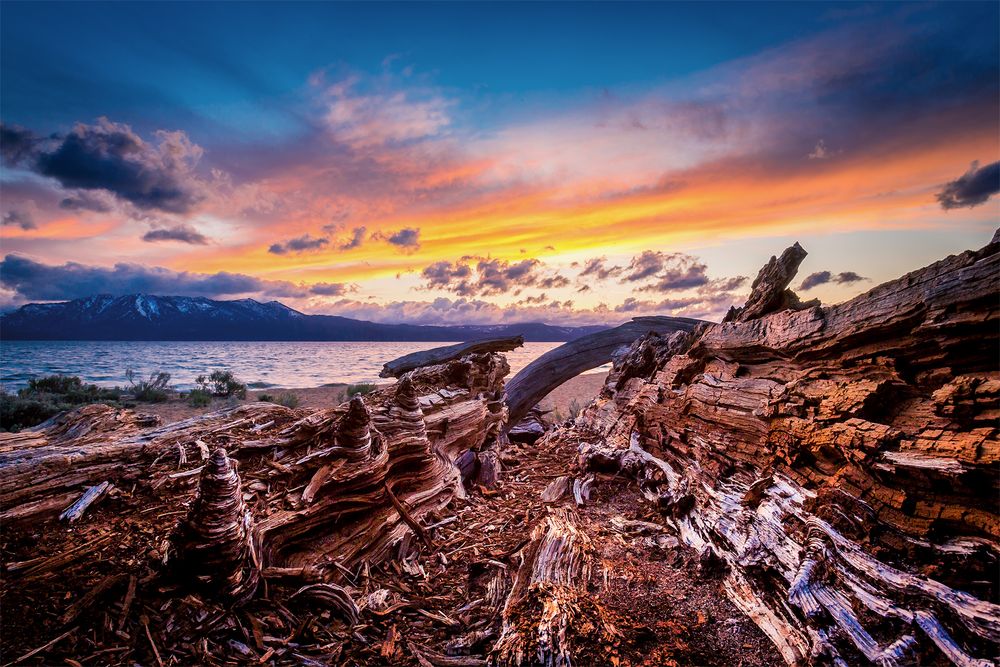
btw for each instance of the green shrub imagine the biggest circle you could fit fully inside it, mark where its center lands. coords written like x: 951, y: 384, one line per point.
x: 199, y: 398
x: 287, y: 399
x: 153, y: 390
x: 222, y: 383
x: 361, y: 389
x: 48, y: 396
x: 17, y: 413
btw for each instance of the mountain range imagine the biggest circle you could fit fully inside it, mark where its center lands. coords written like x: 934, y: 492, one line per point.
x: 148, y: 317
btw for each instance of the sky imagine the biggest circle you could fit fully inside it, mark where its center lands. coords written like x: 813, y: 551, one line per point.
x: 447, y: 163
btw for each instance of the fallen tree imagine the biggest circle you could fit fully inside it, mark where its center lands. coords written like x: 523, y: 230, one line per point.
x: 838, y: 466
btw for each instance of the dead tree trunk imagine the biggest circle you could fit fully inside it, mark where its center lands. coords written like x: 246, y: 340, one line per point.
x: 839, y: 463
x: 550, y: 370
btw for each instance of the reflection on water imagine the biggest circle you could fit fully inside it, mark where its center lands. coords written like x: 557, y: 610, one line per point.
x: 270, y: 364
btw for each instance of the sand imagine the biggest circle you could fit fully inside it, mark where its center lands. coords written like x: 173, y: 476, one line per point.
x: 563, y: 401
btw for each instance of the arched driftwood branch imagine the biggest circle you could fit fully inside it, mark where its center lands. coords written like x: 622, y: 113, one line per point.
x: 442, y: 355
x: 567, y: 361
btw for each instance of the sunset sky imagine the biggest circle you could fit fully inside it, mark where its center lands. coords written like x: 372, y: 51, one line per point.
x: 475, y: 163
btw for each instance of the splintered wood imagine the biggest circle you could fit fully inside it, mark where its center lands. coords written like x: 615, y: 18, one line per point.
x: 839, y: 465
x: 799, y: 484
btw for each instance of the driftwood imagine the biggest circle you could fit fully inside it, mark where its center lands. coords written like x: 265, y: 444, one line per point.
x: 441, y: 355
x: 287, y: 494
x: 555, y: 367
x: 833, y: 471
x: 838, y: 466
x: 550, y: 618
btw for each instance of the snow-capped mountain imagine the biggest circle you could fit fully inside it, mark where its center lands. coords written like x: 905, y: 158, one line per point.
x: 149, y: 317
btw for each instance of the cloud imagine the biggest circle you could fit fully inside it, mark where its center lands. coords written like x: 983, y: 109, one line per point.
x: 824, y: 277
x: 98, y: 201
x: 598, y: 268
x: 298, y: 245
x: 406, y: 239
x: 20, y: 219
x: 43, y: 282
x: 17, y: 145
x: 182, y: 233
x: 485, y: 276
x: 356, y: 240
x: 445, y: 275
x: 669, y: 271
x: 110, y: 156
x: 331, y: 289
x: 972, y: 188
x: 820, y: 152
x: 366, y: 112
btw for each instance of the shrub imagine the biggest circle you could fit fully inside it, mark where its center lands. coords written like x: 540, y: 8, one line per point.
x: 17, y: 413
x: 574, y: 409
x: 361, y: 389
x: 153, y: 390
x: 287, y: 399
x: 48, y: 396
x: 222, y: 383
x: 199, y: 398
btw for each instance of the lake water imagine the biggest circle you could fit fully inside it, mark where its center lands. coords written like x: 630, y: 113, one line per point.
x: 272, y: 364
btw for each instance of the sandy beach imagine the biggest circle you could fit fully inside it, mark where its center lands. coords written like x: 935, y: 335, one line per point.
x: 571, y: 396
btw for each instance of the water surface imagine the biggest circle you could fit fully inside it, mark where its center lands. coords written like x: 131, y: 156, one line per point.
x: 269, y: 364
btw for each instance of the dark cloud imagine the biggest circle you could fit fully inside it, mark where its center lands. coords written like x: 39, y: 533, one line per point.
x: 356, y: 240
x: 110, y: 156
x: 645, y: 265
x: 406, y: 238
x: 669, y: 271
x: 98, y: 201
x: 17, y: 145
x: 484, y: 276
x: 598, y: 268
x: 297, y: 245
x: 331, y: 289
x: 972, y: 188
x: 824, y: 277
x: 182, y: 233
x: 42, y: 282
x: 445, y: 275
x: 552, y: 282
x: 20, y: 219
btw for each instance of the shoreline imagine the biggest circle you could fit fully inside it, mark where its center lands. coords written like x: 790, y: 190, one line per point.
x: 571, y: 396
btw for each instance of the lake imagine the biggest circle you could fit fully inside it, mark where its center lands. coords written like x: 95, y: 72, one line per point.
x: 269, y: 364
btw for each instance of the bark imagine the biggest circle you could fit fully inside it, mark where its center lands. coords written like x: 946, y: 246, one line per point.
x: 550, y: 370
x: 441, y: 355
x: 286, y: 495
x: 838, y: 466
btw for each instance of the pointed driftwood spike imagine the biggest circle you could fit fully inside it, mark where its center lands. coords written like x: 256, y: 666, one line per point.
x: 354, y: 431
x: 214, y: 542
x: 406, y: 394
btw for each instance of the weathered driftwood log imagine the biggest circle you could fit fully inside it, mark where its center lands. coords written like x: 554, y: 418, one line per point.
x: 840, y: 464
x: 322, y: 494
x: 214, y: 544
x: 550, y: 618
x: 444, y: 354
x: 550, y: 370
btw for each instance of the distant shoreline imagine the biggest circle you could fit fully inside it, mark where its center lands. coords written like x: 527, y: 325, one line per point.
x: 573, y: 394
